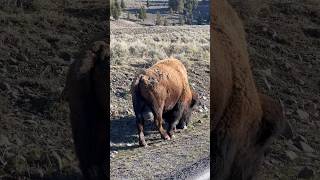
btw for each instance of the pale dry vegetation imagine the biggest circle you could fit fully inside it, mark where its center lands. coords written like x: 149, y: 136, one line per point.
x: 183, y: 45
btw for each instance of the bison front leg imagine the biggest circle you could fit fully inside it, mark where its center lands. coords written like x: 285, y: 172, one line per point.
x: 176, y: 115
x: 159, y: 121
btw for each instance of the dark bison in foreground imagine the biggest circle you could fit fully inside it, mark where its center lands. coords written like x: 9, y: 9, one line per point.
x: 163, y: 91
x: 244, y: 121
x: 86, y: 92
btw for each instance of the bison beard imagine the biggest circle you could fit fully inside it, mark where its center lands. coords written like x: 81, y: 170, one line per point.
x: 244, y: 121
x: 163, y: 91
x: 86, y: 93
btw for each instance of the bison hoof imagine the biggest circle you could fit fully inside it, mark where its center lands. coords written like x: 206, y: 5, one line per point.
x: 166, y: 137
x: 143, y: 144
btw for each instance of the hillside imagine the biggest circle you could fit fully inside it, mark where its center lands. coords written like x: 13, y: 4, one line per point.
x: 284, y: 47
x: 37, y: 43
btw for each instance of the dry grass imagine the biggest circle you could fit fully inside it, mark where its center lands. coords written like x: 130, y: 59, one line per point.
x: 183, y: 46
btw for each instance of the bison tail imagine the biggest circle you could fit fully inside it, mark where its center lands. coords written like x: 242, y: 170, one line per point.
x: 141, y: 108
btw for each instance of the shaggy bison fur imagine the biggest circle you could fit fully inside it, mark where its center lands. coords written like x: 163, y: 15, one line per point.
x: 163, y: 91
x: 86, y: 93
x: 244, y: 121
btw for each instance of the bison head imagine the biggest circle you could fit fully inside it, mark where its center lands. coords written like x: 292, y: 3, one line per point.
x: 186, y: 117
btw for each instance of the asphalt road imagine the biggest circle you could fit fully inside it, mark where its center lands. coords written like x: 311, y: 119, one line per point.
x: 197, y: 171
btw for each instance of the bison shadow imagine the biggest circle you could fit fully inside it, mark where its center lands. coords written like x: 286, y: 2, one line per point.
x: 124, y: 136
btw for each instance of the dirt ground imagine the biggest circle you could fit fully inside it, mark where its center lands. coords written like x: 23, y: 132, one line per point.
x: 284, y: 47
x: 37, y: 43
x: 136, y: 48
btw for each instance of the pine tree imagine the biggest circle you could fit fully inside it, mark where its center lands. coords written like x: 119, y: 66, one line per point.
x: 190, y: 5
x: 171, y: 11
x: 148, y: 4
x: 142, y: 13
x: 180, y: 6
x: 123, y: 5
x: 116, y: 10
x: 173, y: 4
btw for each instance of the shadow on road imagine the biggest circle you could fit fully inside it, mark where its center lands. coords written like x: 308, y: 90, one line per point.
x: 123, y: 131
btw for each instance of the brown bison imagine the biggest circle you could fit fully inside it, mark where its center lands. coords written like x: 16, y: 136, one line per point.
x: 244, y: 121
x: 86, y: 93
x: 163, y: 91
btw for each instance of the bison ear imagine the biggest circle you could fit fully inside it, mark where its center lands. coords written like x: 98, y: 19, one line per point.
x: 195, y: 99
x: 272, y: 122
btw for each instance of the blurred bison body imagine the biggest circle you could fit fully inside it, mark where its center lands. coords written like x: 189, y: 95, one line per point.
x: 244, y: 121
x: 86, y: 93
x: 163, y: 91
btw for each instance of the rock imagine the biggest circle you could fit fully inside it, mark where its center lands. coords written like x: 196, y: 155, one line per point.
x: 267, y: 83
x: 302, y: 114
x: 291, y: 155
x: 306, y: 173
x: 65, y: 56
x: 4, y: 86
x: 58, y: 160
x: 292, y: 147
x: 301, y: 82
x: 311, y: 155
x: 130, y: 144
x: 37, y: 172
x: 12, y: 61
x: 3, y: 70
x: 300, y: 138
x: 4, y: 141
x: 22, y: 57
x: 288, y: 66
x: 268, y: 72
x: 291, y: 101
x: 288, y: 131
x: 304, y: 147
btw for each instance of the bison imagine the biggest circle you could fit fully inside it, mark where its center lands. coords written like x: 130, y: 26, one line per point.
x: 86, y: 93
x: 244, y: 121
x: 163, y: 91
